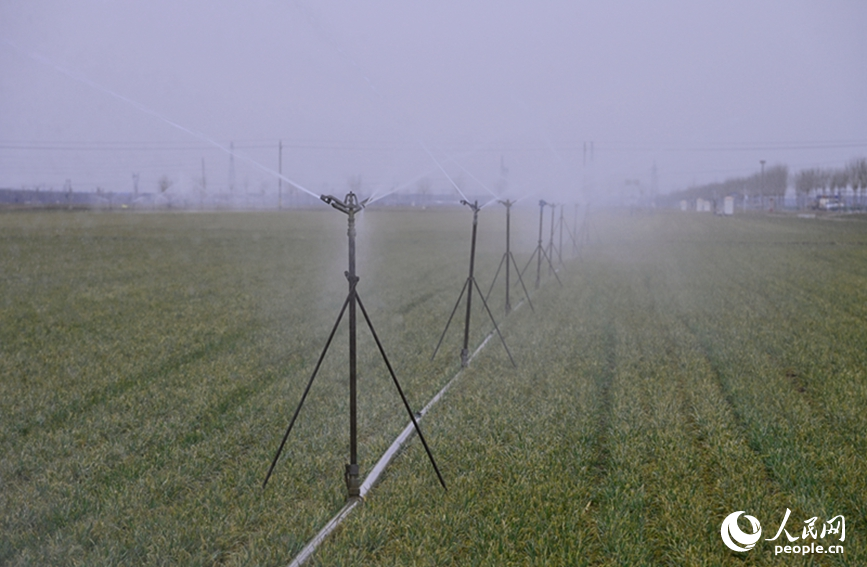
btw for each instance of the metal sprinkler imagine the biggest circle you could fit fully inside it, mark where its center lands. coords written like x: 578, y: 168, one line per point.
x: 509, y: 258
x: 539, y: 252
x: 350, y: 206
x: 468, y: 287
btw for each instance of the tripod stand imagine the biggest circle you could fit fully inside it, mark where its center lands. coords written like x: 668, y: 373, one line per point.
x: 551, y: 240
x: 561, y: 223
x: 468, y: 287
x: 351, y: 206
x: 539, y: 252
x: 508, y: 258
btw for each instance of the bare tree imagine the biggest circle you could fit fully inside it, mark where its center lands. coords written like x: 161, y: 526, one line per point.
x: 857, y: 174
x: 839, y: 180
x: 423, y: 186
x: 806, y: 180
x: 776, y: 180
x: 164, y: 183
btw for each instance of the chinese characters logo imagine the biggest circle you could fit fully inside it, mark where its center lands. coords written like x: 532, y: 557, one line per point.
x: 737, y: 539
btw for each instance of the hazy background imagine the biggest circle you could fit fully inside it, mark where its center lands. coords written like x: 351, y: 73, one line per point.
x: 88, y: 90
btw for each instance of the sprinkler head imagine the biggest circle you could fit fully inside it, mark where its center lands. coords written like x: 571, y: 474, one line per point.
x: 474, y: 206
x: 349, y: 206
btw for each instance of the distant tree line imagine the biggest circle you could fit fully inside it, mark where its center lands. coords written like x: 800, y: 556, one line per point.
x: 849, y: 180
x: 833, y: 181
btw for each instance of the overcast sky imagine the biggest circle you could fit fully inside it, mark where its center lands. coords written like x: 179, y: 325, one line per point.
x: 96, y: 90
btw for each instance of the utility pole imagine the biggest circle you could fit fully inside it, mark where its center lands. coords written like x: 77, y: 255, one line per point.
x: 204, y: 186
x: 575, y: 229
x: 67, y: 187
x: 280, y: 176
x: 560, y: 249
x: 135, y: 184
x: 762, y: 188
x: 231, y: 167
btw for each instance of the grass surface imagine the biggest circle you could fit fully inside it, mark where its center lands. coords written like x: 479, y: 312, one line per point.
x: 690, y: 366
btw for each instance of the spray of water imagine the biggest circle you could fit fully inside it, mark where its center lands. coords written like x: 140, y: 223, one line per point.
x: 477, y: 180
x: 402, y: 119
x: 488, y: 203
x: 375, y: 197
x: 141, y: 107
x: 329, y: 40
x: 452, y: 181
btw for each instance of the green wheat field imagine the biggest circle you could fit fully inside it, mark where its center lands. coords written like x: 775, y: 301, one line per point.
x: 690, y: 366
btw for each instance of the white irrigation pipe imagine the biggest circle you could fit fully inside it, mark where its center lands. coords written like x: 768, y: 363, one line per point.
x: 380, y: 465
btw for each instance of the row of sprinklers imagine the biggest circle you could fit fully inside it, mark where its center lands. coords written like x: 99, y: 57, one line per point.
x: 544, y: 257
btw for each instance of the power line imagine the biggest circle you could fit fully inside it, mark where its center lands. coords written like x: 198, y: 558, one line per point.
x: 386, y: 146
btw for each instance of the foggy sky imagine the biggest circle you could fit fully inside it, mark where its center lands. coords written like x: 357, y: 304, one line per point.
x: 94, y: 91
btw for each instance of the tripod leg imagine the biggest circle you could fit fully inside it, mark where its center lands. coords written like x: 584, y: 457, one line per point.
x: 306, y: 391
x: 449, y: 321
x: 572, y: 236
x: 485, y: 303
x: 553, y: 271
x: 520, y: 279
x: 496, y: 275
x: 527, y: 265
x: 400, y: 391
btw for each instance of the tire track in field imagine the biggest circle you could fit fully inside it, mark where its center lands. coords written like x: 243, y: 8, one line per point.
x: 618, y: 494
x: 700, y: 442
x: 80, y: 506
x: 101, y: 396
x: 810, y: 452
x: 733, y: 472
x: 705, y: 348
x: 770, y: 414
x: 752, y: 482
x: 675, y: 465
x: 779, y: 354
x: 604, y: 380
x: 599, y: 465
x: 203, y: 427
